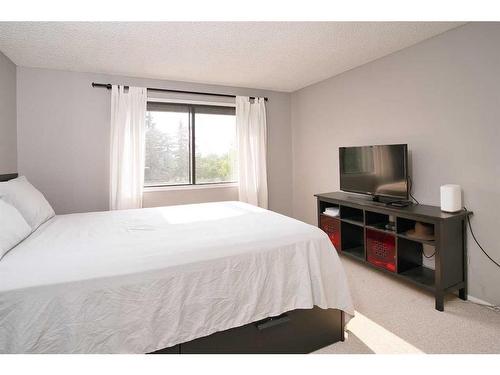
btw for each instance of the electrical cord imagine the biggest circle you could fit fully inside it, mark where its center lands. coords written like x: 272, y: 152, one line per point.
x: 495, y: 308
x: 477, y: 242
x: 430, y: 256
x: 410, y: 183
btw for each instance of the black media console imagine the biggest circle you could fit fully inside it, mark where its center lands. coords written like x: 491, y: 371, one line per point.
x: 362, y: 231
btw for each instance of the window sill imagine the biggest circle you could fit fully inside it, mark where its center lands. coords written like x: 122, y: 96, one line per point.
x: 226, y: 185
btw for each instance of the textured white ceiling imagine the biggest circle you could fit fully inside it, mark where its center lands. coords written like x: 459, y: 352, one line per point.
x: 283, y: 56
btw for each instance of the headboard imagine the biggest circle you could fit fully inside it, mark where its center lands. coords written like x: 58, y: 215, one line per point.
x: 7, y: 177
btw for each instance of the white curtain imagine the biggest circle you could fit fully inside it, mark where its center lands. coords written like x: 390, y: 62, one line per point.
x: 252, y: 150
x: 128, y: 113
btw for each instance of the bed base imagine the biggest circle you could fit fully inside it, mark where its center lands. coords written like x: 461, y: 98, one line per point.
x: 295, y: 332
x: 7, y: 177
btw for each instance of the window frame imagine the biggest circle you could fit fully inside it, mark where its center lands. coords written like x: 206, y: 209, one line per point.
x: 191, y: 105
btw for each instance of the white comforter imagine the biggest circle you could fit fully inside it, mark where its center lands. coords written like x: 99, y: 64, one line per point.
x: 135, y: 281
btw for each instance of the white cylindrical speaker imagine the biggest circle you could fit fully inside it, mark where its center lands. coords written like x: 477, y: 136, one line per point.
x: 451, y: 198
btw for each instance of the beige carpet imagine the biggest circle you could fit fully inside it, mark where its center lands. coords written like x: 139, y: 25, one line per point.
x: 396, y: 317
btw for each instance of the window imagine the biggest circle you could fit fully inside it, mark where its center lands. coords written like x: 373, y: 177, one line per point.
x: 190, y: 144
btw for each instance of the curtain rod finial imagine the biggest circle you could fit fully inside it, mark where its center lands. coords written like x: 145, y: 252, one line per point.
x: 105, y: 85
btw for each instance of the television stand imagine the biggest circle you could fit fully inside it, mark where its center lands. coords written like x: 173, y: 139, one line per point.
x: 362, y: 231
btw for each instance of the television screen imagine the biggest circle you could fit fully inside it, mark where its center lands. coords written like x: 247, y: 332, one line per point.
x: 375, y: 170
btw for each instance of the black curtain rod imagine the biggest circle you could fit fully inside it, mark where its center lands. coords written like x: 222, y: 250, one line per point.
x: 108, y: 86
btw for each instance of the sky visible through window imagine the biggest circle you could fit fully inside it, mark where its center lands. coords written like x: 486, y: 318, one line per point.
x: 215, y: 134
x: 216, y: 131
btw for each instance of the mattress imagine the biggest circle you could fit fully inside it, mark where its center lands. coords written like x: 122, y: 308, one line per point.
x: 135, y: 281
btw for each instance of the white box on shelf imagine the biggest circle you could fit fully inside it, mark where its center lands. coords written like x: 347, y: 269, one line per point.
x: 331, y: 211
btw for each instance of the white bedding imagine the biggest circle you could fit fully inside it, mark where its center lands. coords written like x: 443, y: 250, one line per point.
x: 136, y: 281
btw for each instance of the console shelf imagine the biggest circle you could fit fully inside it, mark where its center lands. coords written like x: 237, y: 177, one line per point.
x: 353, y: 222
x: 421, y: 276
x: 416, y: 239
x: 378, y: 229
x: 355, y: 252
x: 380, y: 236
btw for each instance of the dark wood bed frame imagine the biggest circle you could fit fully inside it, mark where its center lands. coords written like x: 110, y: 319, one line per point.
x: 295, y: 332
x: 7, y: 177
x: 298, y: 331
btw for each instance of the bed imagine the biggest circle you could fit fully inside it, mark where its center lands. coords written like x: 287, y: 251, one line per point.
x: 222, y: 277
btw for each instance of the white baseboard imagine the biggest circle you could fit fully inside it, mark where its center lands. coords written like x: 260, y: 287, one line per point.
x: 477, y: 300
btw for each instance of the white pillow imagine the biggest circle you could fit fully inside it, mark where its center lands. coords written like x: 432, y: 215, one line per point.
x: 13, y: 227
x: 28, y: 200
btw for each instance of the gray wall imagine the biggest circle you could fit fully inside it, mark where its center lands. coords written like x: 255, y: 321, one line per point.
x: 8, y: 142
x: 442, y: 97
x: 63, y: 139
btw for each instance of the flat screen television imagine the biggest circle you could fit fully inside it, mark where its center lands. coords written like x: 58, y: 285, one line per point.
x: 380, y: 171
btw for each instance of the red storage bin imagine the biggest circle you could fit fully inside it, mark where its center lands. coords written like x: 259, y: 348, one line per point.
x: 381, y: 249
x: 331, y: 226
